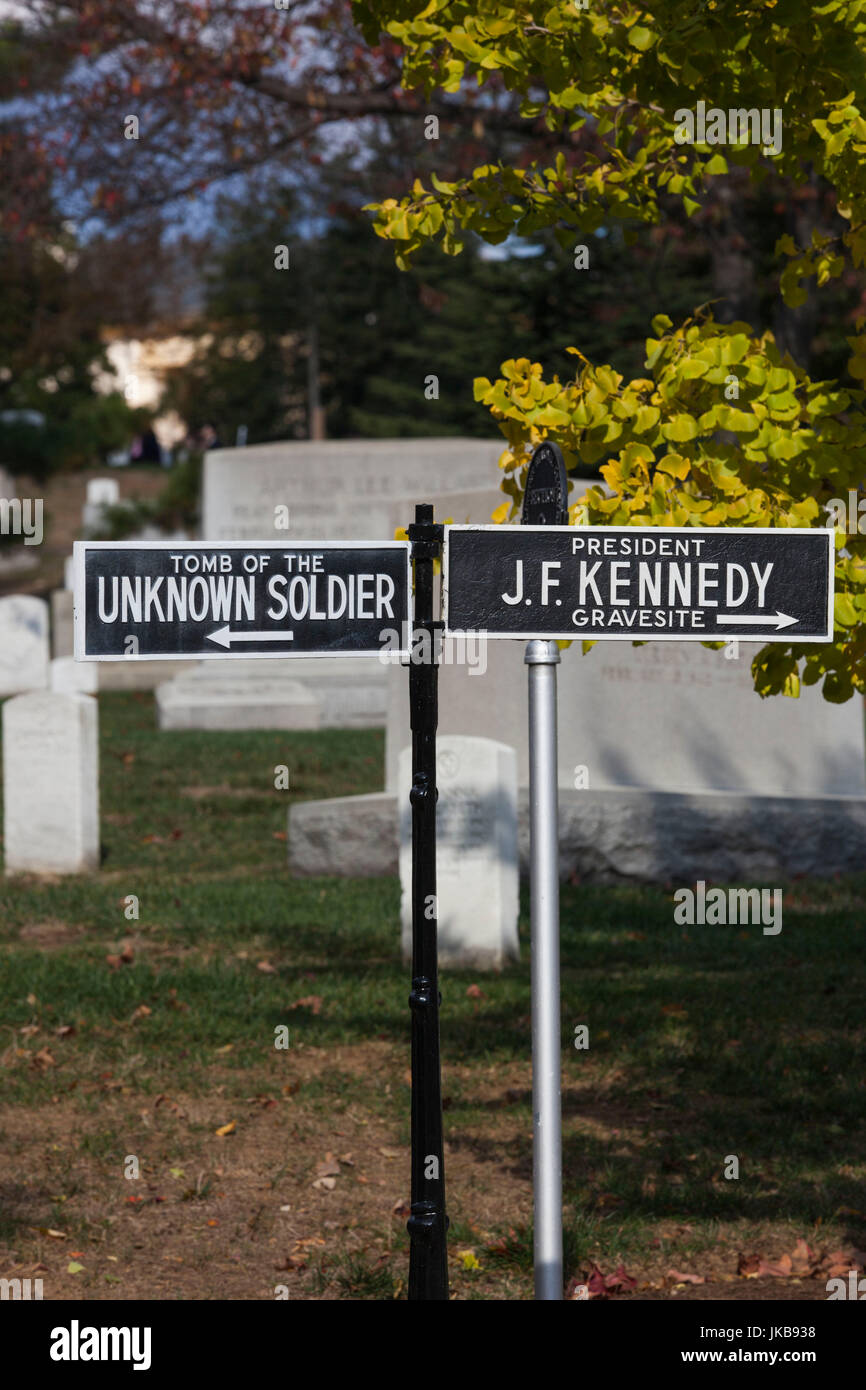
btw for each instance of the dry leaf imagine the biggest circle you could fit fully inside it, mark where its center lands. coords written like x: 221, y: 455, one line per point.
x: 226, y: 1129
x: 329, y: 1169
x: 142, y: 1011
x: 401, y: 1208
x: 680, y: 1278
x: 473, y: 992
x: 43, y: 1058
x: 749, y: 1266
x: 67, y: 1031
x: 390, y: 1153
x: 313, y: 1002
x: 266, y: 967
x: 325, y: 1184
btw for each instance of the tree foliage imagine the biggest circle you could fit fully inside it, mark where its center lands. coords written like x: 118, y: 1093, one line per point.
x: 724, y: 429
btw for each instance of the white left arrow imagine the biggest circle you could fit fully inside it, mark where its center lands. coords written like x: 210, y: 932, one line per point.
x: 224, y: 636
x: 778, y: 619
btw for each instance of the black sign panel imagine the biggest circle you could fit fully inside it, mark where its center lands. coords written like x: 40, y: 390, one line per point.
x: 145, y: 601
x: 545, y: 499
x: 650, y: 583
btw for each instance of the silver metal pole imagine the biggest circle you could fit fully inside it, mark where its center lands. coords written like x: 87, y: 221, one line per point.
x: 542, y: 659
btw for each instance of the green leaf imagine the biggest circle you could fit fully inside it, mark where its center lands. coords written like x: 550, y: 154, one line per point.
x: 680, y: 429
x: 641, y: 38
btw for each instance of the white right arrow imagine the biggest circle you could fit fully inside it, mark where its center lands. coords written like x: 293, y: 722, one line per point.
x: 779, y: 620
x: 224, y: 636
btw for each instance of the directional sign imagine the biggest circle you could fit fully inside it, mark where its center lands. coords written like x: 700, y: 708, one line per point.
x: 659, y: 583
x: 160, y: 599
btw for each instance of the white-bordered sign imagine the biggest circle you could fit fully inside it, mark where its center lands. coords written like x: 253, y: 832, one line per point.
x: 650, y: 583
x: 161, y: 600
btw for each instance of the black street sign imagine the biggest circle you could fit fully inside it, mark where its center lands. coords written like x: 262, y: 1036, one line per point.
x: 650, y: 583
x: 163, y: 599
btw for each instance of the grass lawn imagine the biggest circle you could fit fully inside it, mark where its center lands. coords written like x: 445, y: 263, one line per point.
x: 148, y: 1045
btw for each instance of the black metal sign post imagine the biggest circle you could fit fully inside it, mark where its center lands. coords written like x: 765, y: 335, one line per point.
x: 428, y: 1223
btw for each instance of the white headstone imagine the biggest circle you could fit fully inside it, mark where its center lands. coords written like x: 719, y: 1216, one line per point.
x: 103, y: 492
x: 668, y: 716
x: 476, y: 852
x: 62, y: 626
x: 23, y: 644
x: 231, y: 699
x: 348, y: 693
x: 67, y: 676
x: 51, y: 784
x: 336, y: 489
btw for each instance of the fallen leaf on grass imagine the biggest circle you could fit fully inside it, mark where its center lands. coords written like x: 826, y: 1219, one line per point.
x: 474, y: 992
x: 74, y: 1267
x: 330, y: 1168
x: 141, y: 1012
x: 43, y: 1059
x: 313, y: 1002
x: 28, y: 1030
x: 280, y: 835
x: 266, y: 967
x: 602, y: 1285
x: 401, y: 1208
x: 681, y: 1278
x: 226, y: 1129
x: 325, y: 1184
x: 172, y: 1105
x: 67, y: 1031
x: 293, y: 1262
x: 675, y: 1010
x: 390, y: 1153
x: 748, y: 1266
